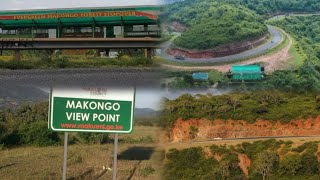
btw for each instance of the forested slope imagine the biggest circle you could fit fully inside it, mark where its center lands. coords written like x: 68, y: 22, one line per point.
x: 260, y: 105
x: 211, y: 24
x: 271, y: 7
x: 305, y: 30
x: 268, y: 159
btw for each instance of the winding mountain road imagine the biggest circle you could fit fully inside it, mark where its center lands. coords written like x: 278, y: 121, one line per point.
x: 276, y: 36
x: 277, y: 60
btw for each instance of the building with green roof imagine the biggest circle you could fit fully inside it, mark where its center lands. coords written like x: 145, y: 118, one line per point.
x: 200, y: 76
x: 98, y: 22
x: 247, y: 73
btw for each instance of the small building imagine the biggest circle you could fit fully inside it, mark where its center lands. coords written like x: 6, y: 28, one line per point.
x: 247, y: 73
x: 200, y: 76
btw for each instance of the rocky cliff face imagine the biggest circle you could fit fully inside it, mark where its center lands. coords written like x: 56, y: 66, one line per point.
x: 202, y: 129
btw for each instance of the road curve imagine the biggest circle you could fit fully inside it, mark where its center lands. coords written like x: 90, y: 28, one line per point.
x: 275, y: 41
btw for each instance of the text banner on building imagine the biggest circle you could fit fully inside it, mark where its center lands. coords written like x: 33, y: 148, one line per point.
x: 109, y: 110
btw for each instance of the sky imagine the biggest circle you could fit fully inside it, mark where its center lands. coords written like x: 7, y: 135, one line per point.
x: 145, y: 98
x: 48, y: 4
x: 149, y: 98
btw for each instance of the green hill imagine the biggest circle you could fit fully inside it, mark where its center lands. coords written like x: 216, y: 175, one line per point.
x: 265, y: 105
x: 270, y: 7
x: 211, y: 24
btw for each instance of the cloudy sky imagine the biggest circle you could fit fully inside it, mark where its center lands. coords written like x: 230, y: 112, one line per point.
x: 43, y: 4
x: 149, y: 98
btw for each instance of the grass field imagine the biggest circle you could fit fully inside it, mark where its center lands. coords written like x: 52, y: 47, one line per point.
x: 141, y: 160
x: 296, y: 52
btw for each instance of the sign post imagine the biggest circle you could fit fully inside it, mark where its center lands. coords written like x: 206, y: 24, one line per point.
x: 101, y: 110
x: 65, y: 156
x: 115, y: 157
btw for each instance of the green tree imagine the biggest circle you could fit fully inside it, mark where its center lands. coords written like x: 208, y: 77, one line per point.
x: 265, y: 163
x: 235, y: 101
x: 290, y: 164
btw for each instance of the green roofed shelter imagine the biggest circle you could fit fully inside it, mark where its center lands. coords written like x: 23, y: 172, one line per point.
x: 200, y: 76
x: 136, y: 21
x: 246, y: 73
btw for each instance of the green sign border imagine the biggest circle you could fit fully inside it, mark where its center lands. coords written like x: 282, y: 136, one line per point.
x: 92, y: 131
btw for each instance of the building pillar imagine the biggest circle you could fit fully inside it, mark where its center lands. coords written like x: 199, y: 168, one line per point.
x: 32, y: 32
x: 17, y: 55
x: 104, y: 31
x: 148, y: 53
x: 93, y: 30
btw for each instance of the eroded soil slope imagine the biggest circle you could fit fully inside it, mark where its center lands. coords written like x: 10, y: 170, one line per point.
x: 202, y: 129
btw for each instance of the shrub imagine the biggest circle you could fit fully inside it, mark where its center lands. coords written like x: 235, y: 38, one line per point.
x: 61, y: 62
x: 37, y: 133
x: 147, y: 171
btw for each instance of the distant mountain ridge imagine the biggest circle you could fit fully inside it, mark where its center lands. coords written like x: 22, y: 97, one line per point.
x: 146, y: 112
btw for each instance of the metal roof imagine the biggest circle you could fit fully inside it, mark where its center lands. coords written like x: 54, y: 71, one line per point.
x: 200, y: 76
x: 246, y: 73
x: 245, y: 69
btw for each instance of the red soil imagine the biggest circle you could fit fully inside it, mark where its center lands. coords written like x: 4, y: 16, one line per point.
x: 240, y: 129
x: 224, y: 50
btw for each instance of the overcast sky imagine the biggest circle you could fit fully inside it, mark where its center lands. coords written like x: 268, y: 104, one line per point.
x: 148, y: 98
x: 47, y: 4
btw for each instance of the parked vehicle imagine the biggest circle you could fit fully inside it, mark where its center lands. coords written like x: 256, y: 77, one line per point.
x: 179, y: 57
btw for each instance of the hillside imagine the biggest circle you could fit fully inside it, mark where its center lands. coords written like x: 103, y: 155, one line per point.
x: 211, y: 24
x: 271, y: 7
x: 204, y: 130
x: 260, y: 105
x: 268, y: 159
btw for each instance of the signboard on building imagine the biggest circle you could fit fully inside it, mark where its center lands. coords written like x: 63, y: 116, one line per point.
x: 109, y: 110
x: 77, y: 15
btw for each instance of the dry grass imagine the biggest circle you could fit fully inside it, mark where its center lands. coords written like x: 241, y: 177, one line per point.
x: 135, y: 160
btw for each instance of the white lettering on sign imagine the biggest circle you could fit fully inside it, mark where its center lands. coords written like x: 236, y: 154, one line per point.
x: 106, y: 117
x: 92, y: 105
x: 78, y: 116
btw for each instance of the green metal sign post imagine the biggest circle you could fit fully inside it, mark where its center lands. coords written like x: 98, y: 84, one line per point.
x: 101, y: 110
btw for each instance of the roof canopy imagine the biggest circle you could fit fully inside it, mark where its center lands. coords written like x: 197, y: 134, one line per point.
x: 246, y: 69
x: 247, y: 72
x: 79, y: 17
x: 200, y: 76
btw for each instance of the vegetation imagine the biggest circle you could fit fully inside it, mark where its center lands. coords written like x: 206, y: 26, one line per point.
x: 184, y: 80
x: 48, y: 59
x: 305, y: 30
x: 223, y: 162
x: 272, y: 7
x: 84, y: 162
x: 211, y: 24
x: 266, y: 105
x: 27, y: 125
x: 192, y: 164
